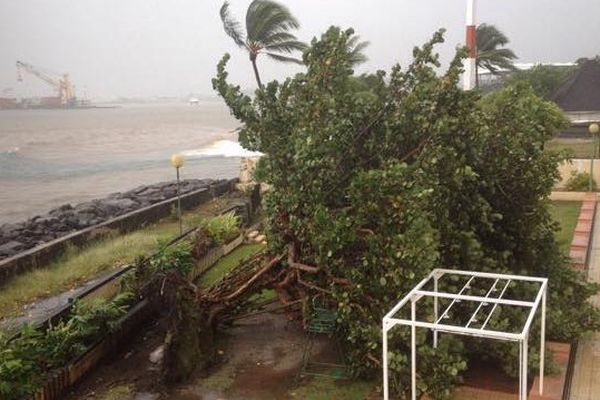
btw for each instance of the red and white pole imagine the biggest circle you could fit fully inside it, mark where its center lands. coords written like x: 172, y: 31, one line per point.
x: 470, y: 76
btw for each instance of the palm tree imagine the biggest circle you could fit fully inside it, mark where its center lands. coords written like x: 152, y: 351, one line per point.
x: 355, y: 49
x: 267, y: 32
x: 491, y: 53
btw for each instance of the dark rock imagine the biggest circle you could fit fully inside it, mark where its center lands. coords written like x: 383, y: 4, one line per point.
x: 121, y: 204
x: 140, y: 189
x: 66, y: 219
x: 48, y: 221
x: 61, y: 209
x: 11, y: 248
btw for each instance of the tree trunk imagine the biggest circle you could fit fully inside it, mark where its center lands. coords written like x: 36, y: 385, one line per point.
x: 189, y: 343
x: 253, y: 60
x: 476, y: 75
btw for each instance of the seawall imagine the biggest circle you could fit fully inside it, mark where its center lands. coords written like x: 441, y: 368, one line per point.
x: 40, y: 240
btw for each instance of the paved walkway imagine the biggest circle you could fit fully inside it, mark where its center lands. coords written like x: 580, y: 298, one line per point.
x: 586, y: 376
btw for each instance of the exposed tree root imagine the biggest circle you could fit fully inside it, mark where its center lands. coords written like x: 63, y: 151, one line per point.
x: 193, y: 314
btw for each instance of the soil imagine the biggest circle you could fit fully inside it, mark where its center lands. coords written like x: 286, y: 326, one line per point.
x: 259, y: 356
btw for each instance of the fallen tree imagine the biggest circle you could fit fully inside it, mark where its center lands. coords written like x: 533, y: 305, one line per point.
x: 192, y: 315
x: 372, y: 189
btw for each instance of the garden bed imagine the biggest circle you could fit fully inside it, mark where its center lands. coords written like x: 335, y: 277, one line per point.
x: 59, y: 381
x: 81, y: 332
x: 102, y: 256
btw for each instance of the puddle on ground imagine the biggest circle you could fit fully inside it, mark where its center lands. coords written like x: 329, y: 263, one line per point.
x: 146, y: 396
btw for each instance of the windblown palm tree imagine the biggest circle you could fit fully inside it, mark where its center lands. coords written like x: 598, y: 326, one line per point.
x: 491, y: 53
x: 355, y: 48
x: 267, y: 32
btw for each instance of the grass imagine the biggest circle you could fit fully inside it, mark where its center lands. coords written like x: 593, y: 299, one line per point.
x: 566, y: 214
x: 328, y: 389
x: 78, y: 265
x: 118, y: 393
x: 228, y: 262
x: 578, y: 148
x: 82, y: 264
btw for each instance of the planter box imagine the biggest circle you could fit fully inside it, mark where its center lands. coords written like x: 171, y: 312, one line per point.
x: 214, y: 255
x: 59, y: 381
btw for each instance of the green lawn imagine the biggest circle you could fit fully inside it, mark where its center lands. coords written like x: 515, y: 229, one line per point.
x: 328, y: 389
x: 566, y: 214
x: 578, y: 148
x: 228, y: 262
x: 82, y: 264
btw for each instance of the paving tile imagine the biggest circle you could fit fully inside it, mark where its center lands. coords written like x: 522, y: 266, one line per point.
x: 580, y: 240
x: 586, y: 375
x: 583, y: 226
x: 578, y: 255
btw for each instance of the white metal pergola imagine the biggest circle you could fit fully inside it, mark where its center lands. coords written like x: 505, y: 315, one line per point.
x: 494, y: 296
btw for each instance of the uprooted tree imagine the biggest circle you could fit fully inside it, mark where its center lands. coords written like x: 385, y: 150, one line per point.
x: 373, y: 188
x: 188, y: 314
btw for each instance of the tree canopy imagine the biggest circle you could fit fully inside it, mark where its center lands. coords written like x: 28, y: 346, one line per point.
x: 544, y: 79
x: 369, y: 193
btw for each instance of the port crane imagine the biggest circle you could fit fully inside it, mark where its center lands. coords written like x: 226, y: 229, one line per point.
x: 62, y: 84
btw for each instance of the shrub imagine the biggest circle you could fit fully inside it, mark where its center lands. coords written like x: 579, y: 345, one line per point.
x: 580, y: 182
x: 24, y: 360
x: 174, y: 257
x: 378, y: 190
x: 223, y: 228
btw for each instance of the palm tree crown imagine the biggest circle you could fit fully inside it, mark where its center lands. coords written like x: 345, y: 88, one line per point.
x: 355, y: 49
x: 267, y: 32
x: 491, y: 53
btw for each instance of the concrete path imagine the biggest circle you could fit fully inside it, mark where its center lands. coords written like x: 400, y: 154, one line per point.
x: 567, y: 196
x: 39, y: 311
x: 586, y: 376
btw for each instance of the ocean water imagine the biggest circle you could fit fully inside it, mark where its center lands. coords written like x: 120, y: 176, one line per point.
x: 53, y: 157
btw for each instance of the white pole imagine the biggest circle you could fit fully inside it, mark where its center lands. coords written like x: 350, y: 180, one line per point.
x: 521, y: 370
x: 470, y: 76
x: 386, y: 390
x: 543, y: 342
x: 525, y: 367
x: 413, y: 351
x: 435, y: 311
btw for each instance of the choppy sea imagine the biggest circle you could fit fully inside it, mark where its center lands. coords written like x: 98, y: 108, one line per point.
x: 53, y: 157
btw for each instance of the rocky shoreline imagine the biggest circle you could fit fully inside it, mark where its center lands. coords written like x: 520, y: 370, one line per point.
x: 21, y: 236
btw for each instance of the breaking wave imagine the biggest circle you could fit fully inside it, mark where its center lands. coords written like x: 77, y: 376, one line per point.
x: 221, y: 148
x: 10, y: 152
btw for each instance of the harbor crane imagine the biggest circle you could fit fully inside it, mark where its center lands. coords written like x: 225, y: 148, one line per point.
x: 62, y: 84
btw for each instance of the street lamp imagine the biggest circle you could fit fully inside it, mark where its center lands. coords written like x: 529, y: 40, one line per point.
x: 177, y: 161
x: 593, y: 129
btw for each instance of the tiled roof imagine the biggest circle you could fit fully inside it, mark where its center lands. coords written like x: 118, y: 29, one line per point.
x: 582, y: 91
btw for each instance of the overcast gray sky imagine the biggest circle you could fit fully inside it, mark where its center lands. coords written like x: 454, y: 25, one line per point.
x: 170, y: 48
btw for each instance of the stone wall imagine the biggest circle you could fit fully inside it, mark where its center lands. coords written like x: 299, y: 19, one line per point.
x: 18, y: 237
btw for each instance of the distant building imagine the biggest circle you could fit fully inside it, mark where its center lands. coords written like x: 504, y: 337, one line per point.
x: 579, y: 97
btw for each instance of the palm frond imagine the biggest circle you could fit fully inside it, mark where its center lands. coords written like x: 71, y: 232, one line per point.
x: 265, y: 18
x: 231, y: 26
x: 288, y: 46
x: 491, y: 54
x: 279, y: 37
x: 355, y: 50
x: 279, y: 57
x: 489, y: 37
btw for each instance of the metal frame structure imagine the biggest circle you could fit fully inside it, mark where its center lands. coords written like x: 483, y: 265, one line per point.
x: 492, y: 297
